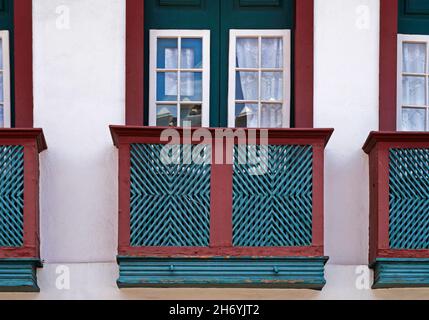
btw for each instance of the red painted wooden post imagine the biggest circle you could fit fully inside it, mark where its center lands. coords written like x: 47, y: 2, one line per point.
x: 221, y: 202
x: 124, y: 197
x: 388, y: 63
x: 23, y: 63
x: 134, y: 62
x: 304, y: 63
x: 318, y: 194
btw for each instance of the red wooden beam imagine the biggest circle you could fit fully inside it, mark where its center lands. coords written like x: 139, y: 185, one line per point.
x: 134, y: 62
x: 388, y: 64
x: 304, y: 63
x: 23, y: 67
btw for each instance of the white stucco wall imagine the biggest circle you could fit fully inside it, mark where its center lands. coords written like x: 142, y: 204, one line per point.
x: 79, y: 89
x: 346, y: 98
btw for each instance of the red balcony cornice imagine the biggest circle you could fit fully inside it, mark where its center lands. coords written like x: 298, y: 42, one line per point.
x: 322, y: 135
x: 24, y: 134
x: 376, y: 137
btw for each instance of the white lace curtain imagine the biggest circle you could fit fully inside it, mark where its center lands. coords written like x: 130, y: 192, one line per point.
x: 187, y: 87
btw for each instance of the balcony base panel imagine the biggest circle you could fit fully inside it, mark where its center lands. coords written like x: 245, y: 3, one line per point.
x: 278, y: 272
x: 400, y: 273
x: 19, y: 275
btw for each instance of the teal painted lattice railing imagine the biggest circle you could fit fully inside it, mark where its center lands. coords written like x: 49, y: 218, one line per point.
x: 275, y: 208
x: 170, y: 204
x: 409, y: 199
x: 11, y: 196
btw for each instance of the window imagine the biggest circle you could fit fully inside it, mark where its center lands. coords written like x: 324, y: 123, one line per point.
x: 259, y: 78
x: 413, y: 80
x: 4, y: 80
x: 179, y: 78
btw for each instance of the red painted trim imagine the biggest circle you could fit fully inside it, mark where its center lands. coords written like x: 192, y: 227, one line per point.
x: 313, y: 251
x: 221, y: 203
x: 23, y: 67
x: 133, y: 134
x: 33, y: 142
x: 124, y: 195
x: 134, y: 62
x: 304, y: 64
x: 388, y: 63
x: 392, y: 253
x: 318, y: 194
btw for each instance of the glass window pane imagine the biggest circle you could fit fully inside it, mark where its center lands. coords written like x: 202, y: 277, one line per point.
x: 191, y: 113
x: 191, y: 54
x: 191, y: 86
x: 167, y: 54
x: 247, y: 53
x: 166, y: 115
x: 271, y: 116
x: 246, y: 115
x: 166, y: 86
x: 413, y: 91
x: 414, y: 57
x: 413, y: 119
x: 272, y: 53
x: 247, y: 86
x: 272, y: 86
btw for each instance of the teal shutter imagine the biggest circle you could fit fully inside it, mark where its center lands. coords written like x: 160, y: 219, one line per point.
x: 218, y: 16
x: 413, y: 17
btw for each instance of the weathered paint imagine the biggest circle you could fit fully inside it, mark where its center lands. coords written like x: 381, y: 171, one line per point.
x: 19, y: 275
x: 281, y: 272
x: 400, y: 273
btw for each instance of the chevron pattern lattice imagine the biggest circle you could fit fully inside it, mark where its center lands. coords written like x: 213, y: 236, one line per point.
x: 274, y: 209
x: 11, y: 196
x: 409, y: 199
x: 170, y: 204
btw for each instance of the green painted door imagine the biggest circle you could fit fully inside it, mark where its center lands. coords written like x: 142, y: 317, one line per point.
x: 218, y: 16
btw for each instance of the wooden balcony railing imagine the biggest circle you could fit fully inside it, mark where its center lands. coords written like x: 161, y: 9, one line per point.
x: 19, y: 208
x: 399, y: 208
x: 221, y: 221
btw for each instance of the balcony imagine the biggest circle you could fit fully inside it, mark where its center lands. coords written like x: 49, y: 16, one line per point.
x: 19, y: 208
x: 222, y: 221
x: 399, y: 208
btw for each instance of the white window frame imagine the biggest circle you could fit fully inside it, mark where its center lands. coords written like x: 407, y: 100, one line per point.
x: 406, y: 38
x: 287, y: 69
x: 173, y: 33
x: 4, y: 35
